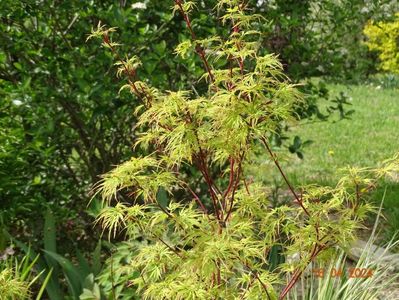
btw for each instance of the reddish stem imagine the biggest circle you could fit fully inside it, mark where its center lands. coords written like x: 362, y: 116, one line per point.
x: 233, y: 194
x: 198, y: 47
x: 316, y: 250
x: 246, y: 186
x: 236, y: 29
x: 273, y: 156
x: 203, y: 169
x: 196, y: 197
x: 237, y: 181
x: 231, y: 180
x: 130, y: 76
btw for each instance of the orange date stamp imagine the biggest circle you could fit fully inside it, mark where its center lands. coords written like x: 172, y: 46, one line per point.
x: 350, y: 272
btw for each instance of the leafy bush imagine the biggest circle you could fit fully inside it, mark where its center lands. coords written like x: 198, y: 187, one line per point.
x: 218, y: 244
x: 384, y: 81
x: 59, y: 116
x: 324, y: 37
x: 383, y: 37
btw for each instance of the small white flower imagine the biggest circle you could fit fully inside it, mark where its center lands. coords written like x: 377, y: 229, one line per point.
x: 17, y: 102
x: 364, y: 10
x: 139, y: 5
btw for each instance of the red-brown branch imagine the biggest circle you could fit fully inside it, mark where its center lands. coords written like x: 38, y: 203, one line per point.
x: 237, y: 181
x: 197, y: 198
x: 198, y: 48
x: 203, y: 169
x: 233, y: 194
x: 236, y: 29
x: 231, y: 181
x: 316, y: 250
x: 246, y: 186
x: 273, y: 156
x: 130, y: 76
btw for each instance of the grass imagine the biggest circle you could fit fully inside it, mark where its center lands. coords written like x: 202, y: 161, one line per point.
x: 369, y: 137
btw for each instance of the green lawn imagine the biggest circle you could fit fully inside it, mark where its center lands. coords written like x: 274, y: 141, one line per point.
x: 369, y: 137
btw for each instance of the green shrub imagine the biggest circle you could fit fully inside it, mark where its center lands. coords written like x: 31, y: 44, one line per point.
x: 219, y: 243
x: 383, y: 37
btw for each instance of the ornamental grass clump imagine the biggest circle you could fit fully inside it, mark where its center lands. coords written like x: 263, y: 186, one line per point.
x: 11, y: 287
x: 216, y: 244
x: 18, y: 277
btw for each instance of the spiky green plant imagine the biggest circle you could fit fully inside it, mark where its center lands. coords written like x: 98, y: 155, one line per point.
x: 18, y: 277
x: 12, y: 288
x: 215, y: 245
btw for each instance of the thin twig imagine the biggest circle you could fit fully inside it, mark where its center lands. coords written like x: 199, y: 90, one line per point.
x: 203, y: 169
x: 256, y: 276
x: 263, y: 285
x: 246, y: 186
x: 197, y: 198
x: 130, y: 76
x: 198, y: 47
x: 231, y: 180
x: 248, y: 287
x: 316, y: 250
x: 273, y: 156
x: 234, y: 189
x: 169, y: 247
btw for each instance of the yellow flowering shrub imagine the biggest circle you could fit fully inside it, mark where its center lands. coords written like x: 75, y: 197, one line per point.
x: 383, y: 37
